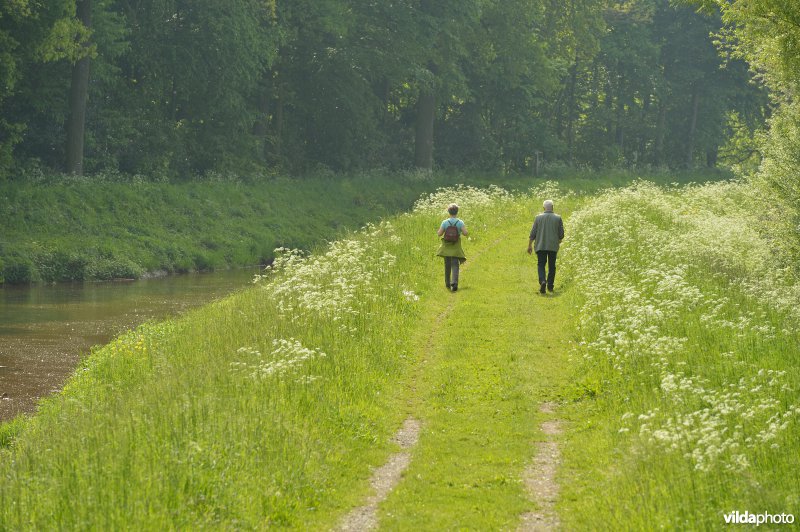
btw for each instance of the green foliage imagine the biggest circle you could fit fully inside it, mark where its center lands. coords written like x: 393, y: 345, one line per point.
x: 497, y: 118
x: 656, y: 92
x: 68, y: 39
x: 742, y: 152
x: 10, y: 430
x: 17, y: 271
x: 686, y: 334
x: 29, y: 34
x: 766, y: 34
x: 186, y: 88
x: 105, y: 228
x: 187, y: 76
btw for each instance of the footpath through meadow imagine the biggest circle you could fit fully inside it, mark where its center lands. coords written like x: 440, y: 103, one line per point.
x: 493, y: 358
x: 345, y: 392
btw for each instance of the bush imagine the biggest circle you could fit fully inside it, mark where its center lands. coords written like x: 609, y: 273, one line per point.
x: 53, y: 266
x: 18, y: 273
x: 105, y: 269
x: 779, y: 182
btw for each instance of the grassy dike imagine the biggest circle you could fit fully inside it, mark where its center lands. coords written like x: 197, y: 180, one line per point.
x: 266, y: 409
x: 684, y: 405
x: 67, y: 228
x: 98, y: 228
x: 492, y: 353
x: 670, y: 346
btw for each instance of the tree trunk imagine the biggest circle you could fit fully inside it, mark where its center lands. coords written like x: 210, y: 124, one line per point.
x: 619, y: 132
x: 573, y: 81
x: 692, y: 128
x: 261, y: 125
x: 277, y: 127
x: 386, y: 98
x: 661, y: 124
x: 711, y: 156
x: 641, y: 144
x: 555, y: 117
x: 423, y: 142
x: 78, y: 99
x: 608, y: 100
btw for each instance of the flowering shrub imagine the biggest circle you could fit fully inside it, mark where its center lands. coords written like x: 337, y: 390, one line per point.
x: 679, y: 297
x: 287, y: 357
x: 465, y: 196
x: 335, y: 284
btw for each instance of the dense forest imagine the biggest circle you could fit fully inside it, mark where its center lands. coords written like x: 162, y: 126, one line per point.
x: 174, y: 89
x: 177, y: 88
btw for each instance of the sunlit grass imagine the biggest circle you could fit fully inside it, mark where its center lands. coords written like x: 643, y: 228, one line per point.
x: 264, y: 409
x: 270, y: 408
x: 688, y: 361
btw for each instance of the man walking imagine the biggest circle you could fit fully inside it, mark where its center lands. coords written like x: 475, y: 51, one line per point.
x: 548, y: 232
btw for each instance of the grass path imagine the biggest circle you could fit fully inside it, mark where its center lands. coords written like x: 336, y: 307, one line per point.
x: 492, y: 354
x: 540, y: 476
x: 191, y: 423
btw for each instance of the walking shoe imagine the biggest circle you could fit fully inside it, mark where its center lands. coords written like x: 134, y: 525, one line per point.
x: 542, y: 287
x: 448, y: 286
x: 549, y: 288
x: 454, y: 287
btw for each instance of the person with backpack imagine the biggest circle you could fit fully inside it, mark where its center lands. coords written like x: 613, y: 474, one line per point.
x: 451, y: 230
x: 547, y: 232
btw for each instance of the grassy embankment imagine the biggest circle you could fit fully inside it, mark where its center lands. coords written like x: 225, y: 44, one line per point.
x: 688, y: 362
x: 68, y: 228
x: 269, y: 408
x: 265, y: 409
x: 96, y: 229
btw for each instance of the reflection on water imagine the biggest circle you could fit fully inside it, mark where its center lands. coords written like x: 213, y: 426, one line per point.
x: 45, y: 329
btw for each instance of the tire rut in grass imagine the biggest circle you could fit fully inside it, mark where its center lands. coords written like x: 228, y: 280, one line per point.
x: 540, y: 477
x: 384, y: 479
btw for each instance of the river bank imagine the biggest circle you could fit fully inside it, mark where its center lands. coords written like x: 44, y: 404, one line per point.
x: 46, y: 329
x: 273, y: 407
x: 78, y: 229
x: 65, y: 228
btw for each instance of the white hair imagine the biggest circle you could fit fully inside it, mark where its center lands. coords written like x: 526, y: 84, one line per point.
x: 548, y: 205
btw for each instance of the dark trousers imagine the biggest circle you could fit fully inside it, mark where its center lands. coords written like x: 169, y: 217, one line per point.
x: 451, y: 265
x: 549, y: 258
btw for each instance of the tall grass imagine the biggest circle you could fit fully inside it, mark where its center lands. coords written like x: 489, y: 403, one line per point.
x: 95, y: 229
x: 104, y: 227
x: 265, y: 409
x: 269, y: 408
x: 688, y: 361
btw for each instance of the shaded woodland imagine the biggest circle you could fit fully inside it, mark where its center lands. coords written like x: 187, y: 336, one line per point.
x: 176, y: 88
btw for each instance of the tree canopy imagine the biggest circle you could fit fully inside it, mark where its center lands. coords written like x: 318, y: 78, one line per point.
x: 180, y: 88
x: 766, y: 35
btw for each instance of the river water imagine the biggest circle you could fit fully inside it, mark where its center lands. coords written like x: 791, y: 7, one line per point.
x: 44, y: 329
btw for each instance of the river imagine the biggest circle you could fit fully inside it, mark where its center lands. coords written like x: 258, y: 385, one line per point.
x: 45, y: 329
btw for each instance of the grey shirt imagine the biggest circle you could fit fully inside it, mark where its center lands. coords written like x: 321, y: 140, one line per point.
x: 547, y: 231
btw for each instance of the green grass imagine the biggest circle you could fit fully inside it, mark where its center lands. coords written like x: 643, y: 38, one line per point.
x: 493, y: 352
x: 95, y: 229
x: 67, y: 228
x: 666, y: 297
x: 173, y: 425
x: 684, y: 312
